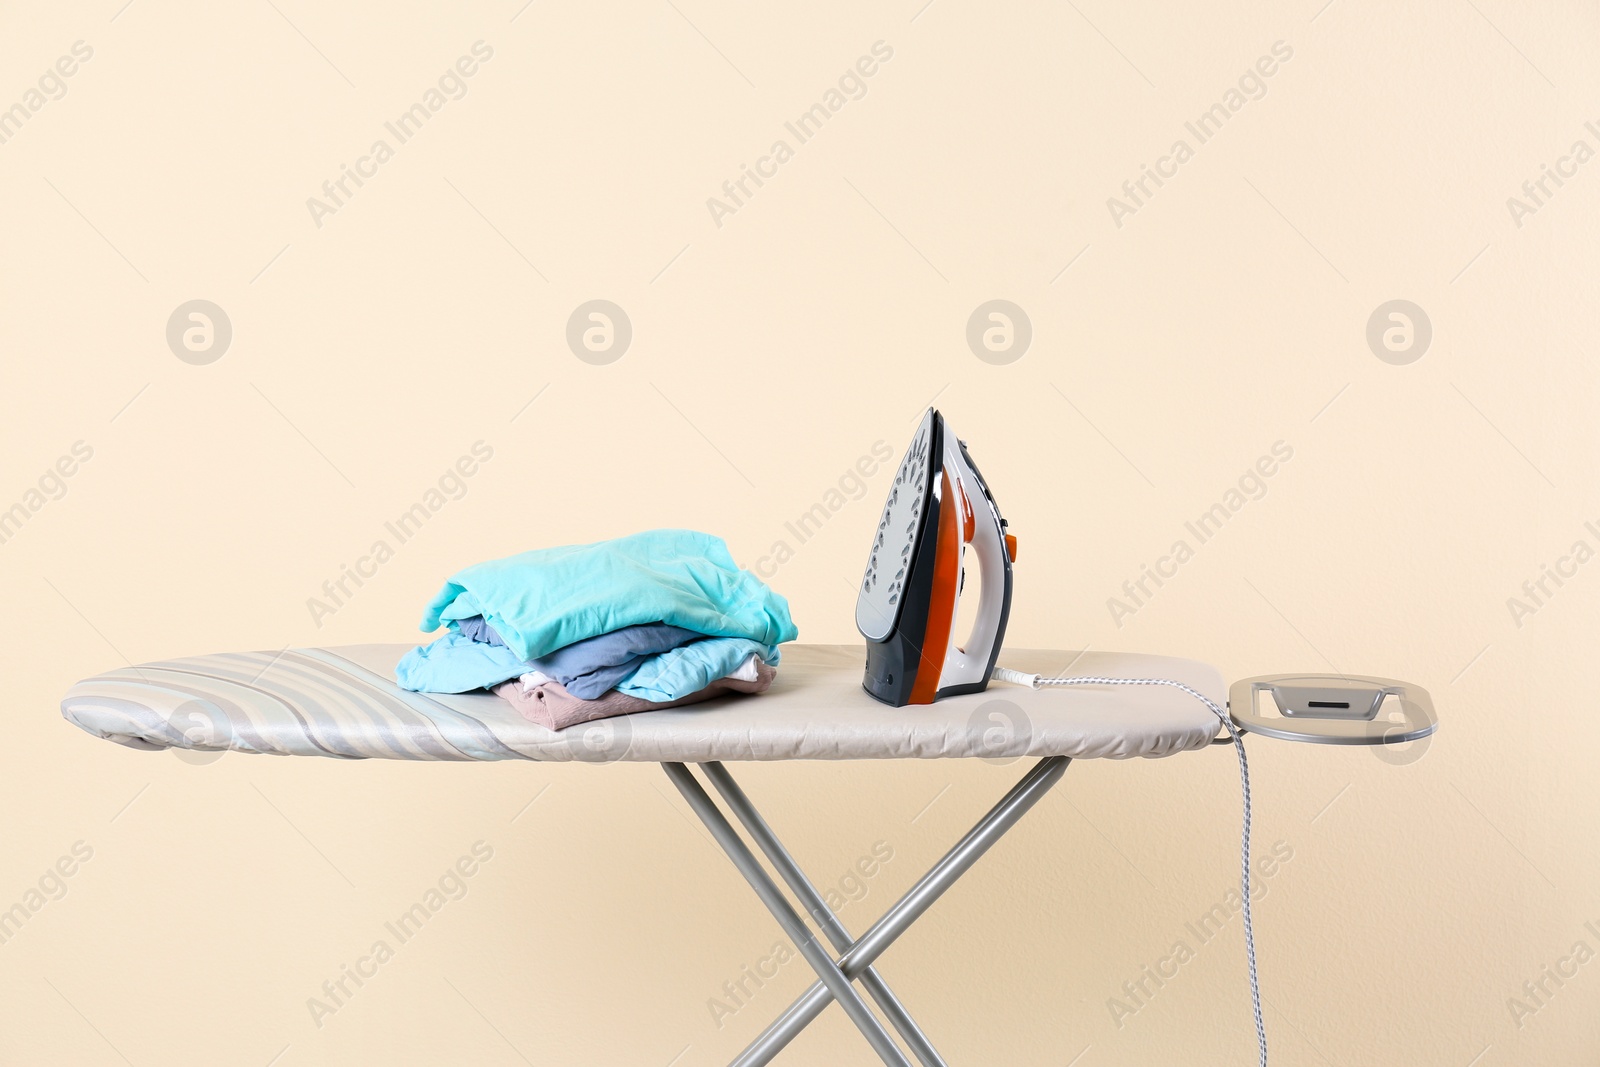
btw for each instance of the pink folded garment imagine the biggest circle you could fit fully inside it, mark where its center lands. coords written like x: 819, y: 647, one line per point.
x: 551, y: 706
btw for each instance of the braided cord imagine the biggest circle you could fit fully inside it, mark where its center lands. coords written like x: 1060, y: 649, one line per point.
x: 1034, y: 681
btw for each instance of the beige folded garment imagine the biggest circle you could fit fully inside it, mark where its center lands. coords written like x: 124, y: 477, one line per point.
x: 551, y: 706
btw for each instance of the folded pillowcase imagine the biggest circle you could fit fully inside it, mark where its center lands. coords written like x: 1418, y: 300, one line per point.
x: 550, y: 705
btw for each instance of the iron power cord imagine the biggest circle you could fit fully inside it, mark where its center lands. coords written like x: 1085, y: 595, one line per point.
x: 1034, y: 681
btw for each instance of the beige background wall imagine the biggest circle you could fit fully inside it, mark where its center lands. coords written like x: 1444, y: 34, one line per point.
x: 1227, y: 313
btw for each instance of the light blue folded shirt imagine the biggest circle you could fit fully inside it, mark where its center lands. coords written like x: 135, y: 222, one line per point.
x: 690, y: 668
x: 455, y: 663
x: 547, y: 599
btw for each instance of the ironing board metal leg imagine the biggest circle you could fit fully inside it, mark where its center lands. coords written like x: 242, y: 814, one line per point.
x: 1024, y: 795
x: 833, y: 980
x: 734, y: 797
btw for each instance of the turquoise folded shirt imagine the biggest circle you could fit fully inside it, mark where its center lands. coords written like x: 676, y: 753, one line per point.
x: 546, y: 599
x: 455, y: 663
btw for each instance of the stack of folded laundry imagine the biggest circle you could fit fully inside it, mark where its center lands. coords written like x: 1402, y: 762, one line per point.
x: 584, y: 632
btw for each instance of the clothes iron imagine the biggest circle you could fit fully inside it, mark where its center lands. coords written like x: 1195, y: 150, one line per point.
x: 911, y: 593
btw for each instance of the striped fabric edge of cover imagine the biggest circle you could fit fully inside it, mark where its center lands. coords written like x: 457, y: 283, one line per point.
x: 299, y: 702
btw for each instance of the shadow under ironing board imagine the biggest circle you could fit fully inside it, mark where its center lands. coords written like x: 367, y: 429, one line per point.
x: 343, y: 702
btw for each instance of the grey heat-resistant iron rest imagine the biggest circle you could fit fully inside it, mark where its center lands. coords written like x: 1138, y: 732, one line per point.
x: 1333, y: 709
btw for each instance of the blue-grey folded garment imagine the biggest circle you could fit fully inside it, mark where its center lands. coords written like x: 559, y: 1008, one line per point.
x: 592, y: 666
x: 479, y: 630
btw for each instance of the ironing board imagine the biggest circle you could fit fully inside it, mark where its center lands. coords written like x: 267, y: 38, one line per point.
x: 342, y: 702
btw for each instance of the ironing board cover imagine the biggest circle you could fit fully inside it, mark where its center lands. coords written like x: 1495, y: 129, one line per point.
x: 343, y: 702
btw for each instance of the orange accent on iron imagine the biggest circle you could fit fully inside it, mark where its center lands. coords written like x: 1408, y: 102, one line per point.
x: 1011, y: 546
x: 941, y: 601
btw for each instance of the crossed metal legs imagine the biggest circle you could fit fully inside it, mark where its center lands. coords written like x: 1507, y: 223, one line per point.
x: 856, y: 955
